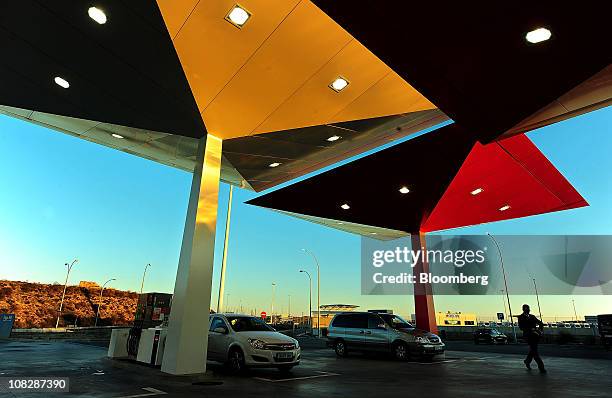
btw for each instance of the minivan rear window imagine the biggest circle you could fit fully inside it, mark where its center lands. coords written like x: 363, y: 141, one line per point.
x: 357, y: 321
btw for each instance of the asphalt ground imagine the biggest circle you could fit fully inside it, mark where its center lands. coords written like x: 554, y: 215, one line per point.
x: 321, y: 373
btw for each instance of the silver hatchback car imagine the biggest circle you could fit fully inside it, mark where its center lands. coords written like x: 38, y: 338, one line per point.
x: 243, y: 341
x: 382, y: 332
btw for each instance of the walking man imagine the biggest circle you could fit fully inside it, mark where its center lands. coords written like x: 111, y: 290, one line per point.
x: 532, y: 329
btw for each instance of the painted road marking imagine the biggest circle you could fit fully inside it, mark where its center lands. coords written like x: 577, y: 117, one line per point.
x: 321, y: 374
x: 151, y: 391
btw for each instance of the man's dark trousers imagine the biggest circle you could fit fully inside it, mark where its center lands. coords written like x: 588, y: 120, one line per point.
x: 532, y: 340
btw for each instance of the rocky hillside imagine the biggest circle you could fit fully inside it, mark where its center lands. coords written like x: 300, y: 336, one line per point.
x: 35, y: 305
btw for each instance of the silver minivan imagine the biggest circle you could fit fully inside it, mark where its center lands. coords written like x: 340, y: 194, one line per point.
x: 382, y: 332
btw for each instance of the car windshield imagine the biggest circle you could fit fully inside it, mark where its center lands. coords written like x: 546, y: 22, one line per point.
x: 494, y: 332
x: 248, y: 324
x: 396, y: 322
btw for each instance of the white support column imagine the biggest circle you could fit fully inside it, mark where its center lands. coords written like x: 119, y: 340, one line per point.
x: 187, y: 339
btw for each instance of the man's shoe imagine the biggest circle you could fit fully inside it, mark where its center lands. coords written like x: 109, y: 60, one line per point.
x: 542, y: 370
x: 527, y: 364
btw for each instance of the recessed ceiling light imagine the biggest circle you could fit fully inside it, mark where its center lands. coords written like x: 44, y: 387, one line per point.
x: 238, y: 16
x: 339, y: 84
x: 334, y: 138
x: 275, y: 164
x: 538, y: 35
x: 477, y: 191
x: 97, y: 15
x: 504, y: 208
x: 345, y: 206
x: 61, y: 82
x: 117, y: 135
x: 372, y: 233
x: 404, y: 190
x: 340, y: 223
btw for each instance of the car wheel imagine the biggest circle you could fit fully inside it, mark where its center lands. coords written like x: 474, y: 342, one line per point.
x: 340, y: 348
x: 236, y: 361
x: 400, y: 351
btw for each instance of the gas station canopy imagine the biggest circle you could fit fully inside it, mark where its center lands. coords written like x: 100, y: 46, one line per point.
x: 476, y: 64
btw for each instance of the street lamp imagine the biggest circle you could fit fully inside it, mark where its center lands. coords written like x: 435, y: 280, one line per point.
x: 272, y: 309
x: 501, y: 260
x: 504, y: 302
x: 143, y: 277
x: 318, y: 291
x: 309, y: 299
x: 575, y: 314
x: 537, y: 298
x: 100, y: 300
x: 64, y: 293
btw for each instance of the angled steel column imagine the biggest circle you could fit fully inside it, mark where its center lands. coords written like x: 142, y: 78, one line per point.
x: 424, y: 309
x: 225, y: 246
x: 187, y: 340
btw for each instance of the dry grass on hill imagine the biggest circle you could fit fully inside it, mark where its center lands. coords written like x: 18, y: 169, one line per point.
x: 35, y: 305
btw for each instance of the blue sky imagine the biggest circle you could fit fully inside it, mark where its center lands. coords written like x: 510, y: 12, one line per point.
x: 63, y: 198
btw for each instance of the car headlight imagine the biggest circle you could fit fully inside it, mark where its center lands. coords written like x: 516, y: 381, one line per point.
x: 421, y: 339
x: 297, y: 344
x: 257, y: 344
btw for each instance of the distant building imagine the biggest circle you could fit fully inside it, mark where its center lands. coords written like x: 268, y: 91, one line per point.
x: 328, y: 312
x: 455, y: 319
x: 89, y: 285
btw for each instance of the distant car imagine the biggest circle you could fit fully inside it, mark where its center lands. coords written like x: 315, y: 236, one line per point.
x: 604, y: 325
x: 381, y: 332
x: 489, y: 336
x: 242, y: 341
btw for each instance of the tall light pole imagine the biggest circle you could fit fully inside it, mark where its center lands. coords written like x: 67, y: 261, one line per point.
x: 225, y: 246
x: 504, y: 302
x: 309, y: 299
x: 501, y: 260
x: 575, y: 314
x: 318, y: 291
x: 537, y: 298
x: 143, y: 277
x: 289, y: 308
x: 100, y: 299
x: 272, y: 309
x: 59, y: 313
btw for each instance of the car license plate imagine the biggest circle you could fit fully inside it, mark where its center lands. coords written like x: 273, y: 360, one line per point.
x: 284, y: 355
x: 437, y: 348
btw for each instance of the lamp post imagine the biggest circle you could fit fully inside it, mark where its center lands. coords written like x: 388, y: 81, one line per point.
x: 318, y: 291
x: 501, y: 260
x: 309, y: 299
x: 272, y: 309
x: 504, y: 302
x: 64, y: 293
x: 143, y: 277
x: 575, y: 314
x: 100, y: 299
x: 537, y: 298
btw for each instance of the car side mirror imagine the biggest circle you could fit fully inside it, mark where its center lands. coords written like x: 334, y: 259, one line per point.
x: 220, y: 329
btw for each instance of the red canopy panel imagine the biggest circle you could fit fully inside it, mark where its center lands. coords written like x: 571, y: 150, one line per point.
x: 511, y: 172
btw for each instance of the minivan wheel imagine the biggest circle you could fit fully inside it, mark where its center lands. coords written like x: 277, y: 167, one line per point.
x: 340, y: 348
x: 400, y: 351
x: 236, y: 361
